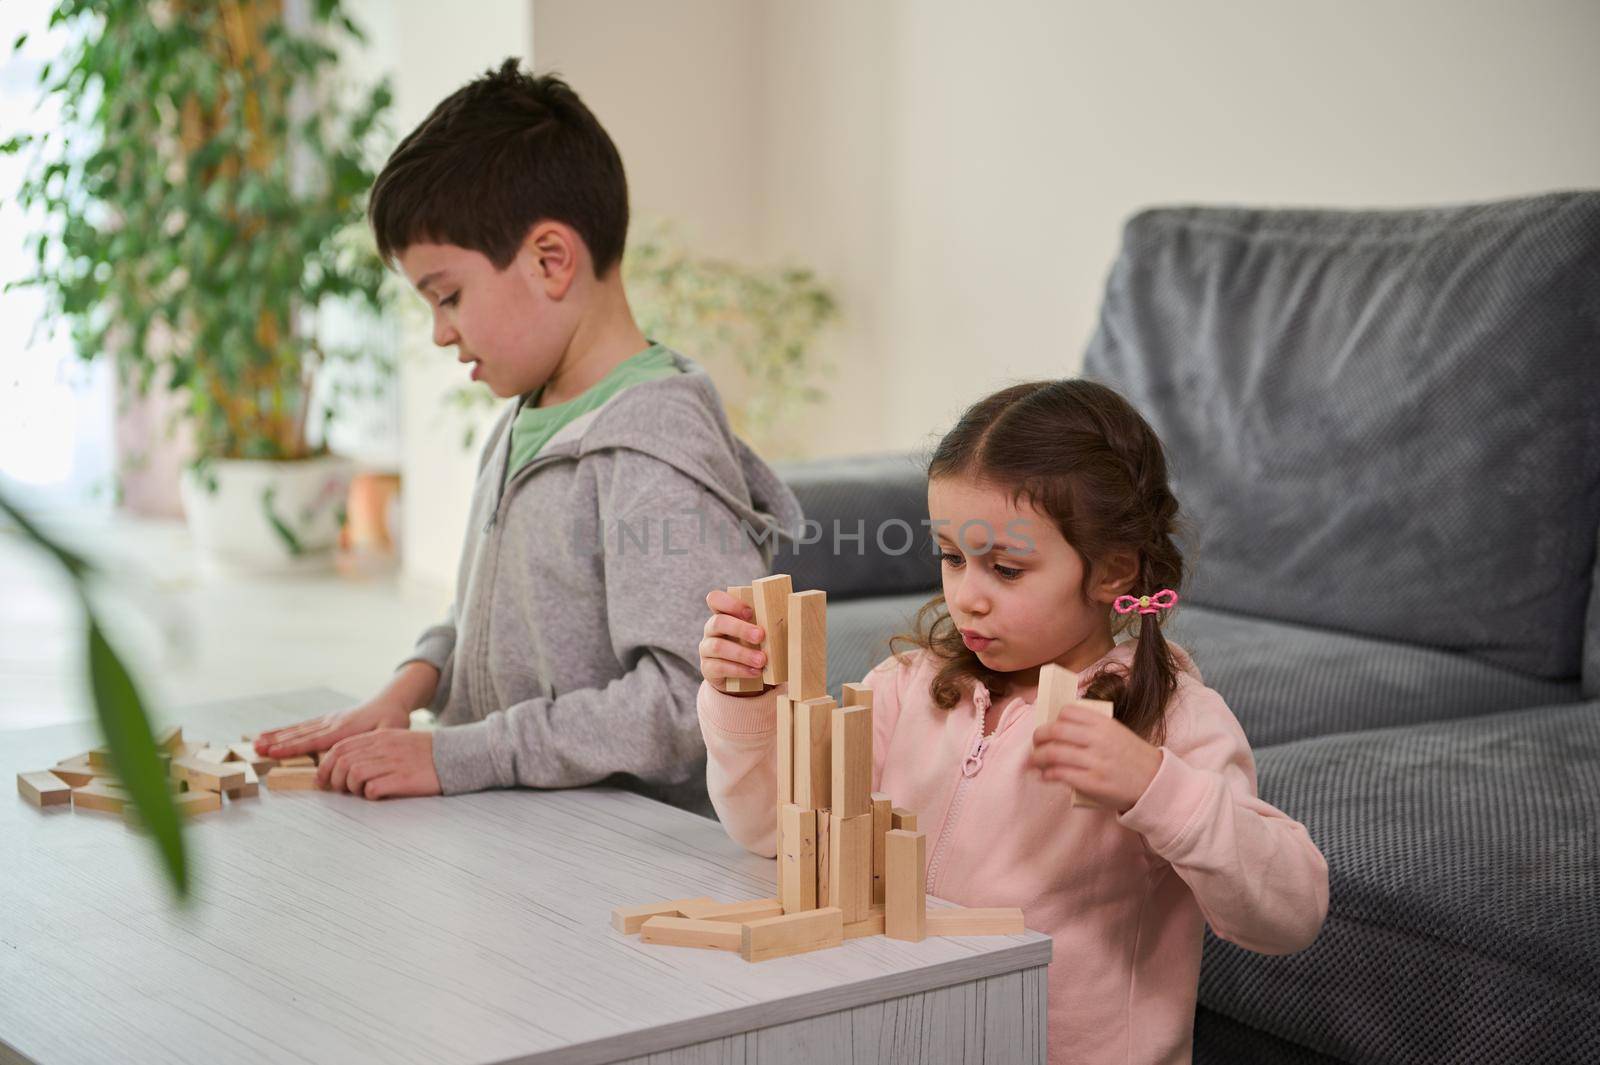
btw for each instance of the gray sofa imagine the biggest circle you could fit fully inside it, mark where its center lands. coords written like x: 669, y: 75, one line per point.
x: 1384, y: 430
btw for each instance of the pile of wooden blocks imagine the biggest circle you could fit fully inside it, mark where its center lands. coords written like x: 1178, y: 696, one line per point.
x: 199, y: 775
x: 850, y: 863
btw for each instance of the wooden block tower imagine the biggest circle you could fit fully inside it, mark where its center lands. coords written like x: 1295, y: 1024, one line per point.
x: 850, y: 863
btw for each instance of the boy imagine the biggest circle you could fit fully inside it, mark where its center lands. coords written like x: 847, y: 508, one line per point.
x: 611, y: 495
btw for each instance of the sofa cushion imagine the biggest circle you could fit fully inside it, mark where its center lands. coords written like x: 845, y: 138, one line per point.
x: 866, y: 527
x: 1383, y: 422
x: 1220, y: 1040
x: 1591, y: 640
x: 1464, y: 922
x: 859, y: 631
x: 1286, y: 682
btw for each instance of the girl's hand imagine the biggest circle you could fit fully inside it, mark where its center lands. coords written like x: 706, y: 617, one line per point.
x: 722, y: 655
x: 1097, y: 756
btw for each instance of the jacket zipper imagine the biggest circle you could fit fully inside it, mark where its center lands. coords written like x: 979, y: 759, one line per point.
x: 480, y: 667
x: 971, y: 766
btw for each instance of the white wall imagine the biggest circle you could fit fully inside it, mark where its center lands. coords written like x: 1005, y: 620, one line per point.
x: 429, y: 52
x: 960, y: 172
x: 1026, y: 131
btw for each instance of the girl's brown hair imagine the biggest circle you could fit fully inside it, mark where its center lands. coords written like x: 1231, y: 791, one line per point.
x: 1079, y: 454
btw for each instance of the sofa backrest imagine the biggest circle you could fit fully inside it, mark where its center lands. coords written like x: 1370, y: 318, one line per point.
x: 1384, y: 422
x: 866, y: 528
x: 1591, y: 641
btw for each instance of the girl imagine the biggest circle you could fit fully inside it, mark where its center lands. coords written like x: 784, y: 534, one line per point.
x: 1054, y: 523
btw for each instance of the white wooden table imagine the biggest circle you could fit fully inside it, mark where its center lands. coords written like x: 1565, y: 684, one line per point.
x: 473, y: 929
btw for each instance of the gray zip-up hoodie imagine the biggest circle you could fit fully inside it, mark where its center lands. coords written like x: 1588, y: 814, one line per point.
x: 571, y: 653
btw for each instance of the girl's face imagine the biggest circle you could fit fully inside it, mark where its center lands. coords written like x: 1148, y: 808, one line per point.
x: 1015, y: 587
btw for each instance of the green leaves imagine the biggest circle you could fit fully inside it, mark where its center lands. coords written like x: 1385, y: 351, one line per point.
x: 120, y: 711
x: 751, y: 326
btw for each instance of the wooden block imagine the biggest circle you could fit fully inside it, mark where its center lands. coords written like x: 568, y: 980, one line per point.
x: 100, y: 757
x: 687, y: 932
x: 882, y: 822
x: 291, y: 778
x: 251, y: 786
x: 197, y: 802
x: 188, y: 749
x: 211, y: 756
x: 170, y: 739
x: 813, y: 753
x: 808, y: 645
x: 850, y: 866
x: 99, y: 796
x: 772, y: 605
x: 745, y: 595
x: 824, y: 857
x: 1058, y: 686
x: 189, y: 804
x: 785, y: 752
x: 629, y: 919
x: 203, y: 776
x: 797, y: 859
x: 299, y: 761
x: 793, y: 933
x: 871, y: 925
x: 902, y: 820
x: 77, y: 771
x: 851, y: 742
x: 732, y: 912
x: 43, y: 788
x: 246, y: 752
x: 995, y: 921
x: 905, y: 900
x: 855, y: 695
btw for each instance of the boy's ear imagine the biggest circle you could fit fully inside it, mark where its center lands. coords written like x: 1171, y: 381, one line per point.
x: 1115, y: 575
x: 554, y: 249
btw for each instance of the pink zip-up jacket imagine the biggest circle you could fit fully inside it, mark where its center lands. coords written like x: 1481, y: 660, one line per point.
x: 1124, y: 896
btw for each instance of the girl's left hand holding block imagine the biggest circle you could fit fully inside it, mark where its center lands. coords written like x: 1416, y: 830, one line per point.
x: 1097, y: 756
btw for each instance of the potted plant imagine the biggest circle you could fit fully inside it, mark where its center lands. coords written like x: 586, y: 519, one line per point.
x: 751, y: 326
x: 204, y: 205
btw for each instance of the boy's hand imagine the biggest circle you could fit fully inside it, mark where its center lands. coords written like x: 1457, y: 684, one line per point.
x: 321, y: 733
x: 1096, y: 756
x: 722, y: 654
x: 387, y: 764
x: 413, y: 685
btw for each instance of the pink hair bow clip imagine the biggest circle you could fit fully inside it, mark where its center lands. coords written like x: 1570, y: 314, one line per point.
x: 1165, y: 599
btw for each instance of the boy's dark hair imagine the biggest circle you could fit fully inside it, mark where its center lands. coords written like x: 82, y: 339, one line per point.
x: 501, y: 153
x: 1078, y: 453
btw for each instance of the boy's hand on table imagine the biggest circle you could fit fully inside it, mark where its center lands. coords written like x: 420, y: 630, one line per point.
x: 413, y: 686
x: 390, y: 763
x: 1097, y: 756
x: 321, y: 733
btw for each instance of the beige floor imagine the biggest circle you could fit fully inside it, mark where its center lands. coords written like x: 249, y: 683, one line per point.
x: 188, y: 637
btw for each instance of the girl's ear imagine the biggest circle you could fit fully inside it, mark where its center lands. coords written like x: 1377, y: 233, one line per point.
x: 1114, y: 576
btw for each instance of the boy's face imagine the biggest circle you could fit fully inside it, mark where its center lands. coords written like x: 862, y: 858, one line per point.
x: 507, y: 324
x: 1013, y: 585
